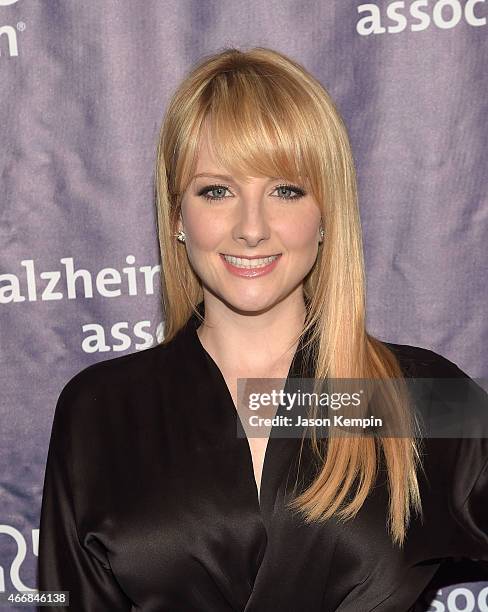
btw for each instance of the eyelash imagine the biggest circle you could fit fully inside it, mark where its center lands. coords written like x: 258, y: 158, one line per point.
x: 300, y: 192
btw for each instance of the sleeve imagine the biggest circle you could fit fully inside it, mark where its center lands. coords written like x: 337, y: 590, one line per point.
x: 469, y: 492
x: 454, y: 488
x: 472, y: 510
x: 64, y: 562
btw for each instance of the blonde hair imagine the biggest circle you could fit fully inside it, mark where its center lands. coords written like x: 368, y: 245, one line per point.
x: 271, y: 117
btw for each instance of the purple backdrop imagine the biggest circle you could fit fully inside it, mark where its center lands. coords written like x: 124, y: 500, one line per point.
x: 83, y: 89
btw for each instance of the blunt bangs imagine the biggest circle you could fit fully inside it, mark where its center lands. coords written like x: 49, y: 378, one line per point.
x: 260, y: 124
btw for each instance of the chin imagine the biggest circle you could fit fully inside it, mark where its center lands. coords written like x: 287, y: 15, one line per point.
x: 249, y: 304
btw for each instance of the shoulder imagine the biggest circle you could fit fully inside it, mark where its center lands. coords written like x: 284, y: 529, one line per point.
x: 118, y: 371
x: 421, y: 362
x: 452, y: 403
x: 120, y: 382
x: 457, y: 453
x: 457, y: 387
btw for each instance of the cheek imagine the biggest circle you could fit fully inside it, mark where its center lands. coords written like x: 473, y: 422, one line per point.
x: 300, y: 234
x: 206, y: 233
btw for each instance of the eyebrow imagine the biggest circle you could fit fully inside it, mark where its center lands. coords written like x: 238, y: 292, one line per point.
x: 226, y: 177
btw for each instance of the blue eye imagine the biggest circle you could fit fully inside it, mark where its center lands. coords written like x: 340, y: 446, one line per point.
x: 219, y: 190
x: 285, y: 189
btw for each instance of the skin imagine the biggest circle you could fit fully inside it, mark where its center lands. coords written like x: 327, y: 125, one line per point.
x: 249, y: 322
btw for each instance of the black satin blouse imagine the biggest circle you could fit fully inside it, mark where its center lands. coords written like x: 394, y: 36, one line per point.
x: 150, y: 501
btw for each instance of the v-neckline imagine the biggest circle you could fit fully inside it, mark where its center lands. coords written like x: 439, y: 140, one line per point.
x: 261, y: 493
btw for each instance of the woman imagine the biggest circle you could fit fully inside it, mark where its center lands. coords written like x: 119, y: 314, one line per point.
x: 151, y: 499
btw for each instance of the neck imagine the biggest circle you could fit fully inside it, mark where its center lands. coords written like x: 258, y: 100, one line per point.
x: 253, y: 342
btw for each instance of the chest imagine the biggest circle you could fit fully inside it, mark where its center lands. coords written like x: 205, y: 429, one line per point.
x: 239, y: 388
x: 178, y: 515
x: 193, y: 519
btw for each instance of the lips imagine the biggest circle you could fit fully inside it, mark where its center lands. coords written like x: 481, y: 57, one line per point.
x: 249, y: 262
x: 250, y: 267
x: 250, y: 256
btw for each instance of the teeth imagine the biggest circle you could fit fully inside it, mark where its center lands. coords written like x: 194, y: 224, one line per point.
x: 240, y: 262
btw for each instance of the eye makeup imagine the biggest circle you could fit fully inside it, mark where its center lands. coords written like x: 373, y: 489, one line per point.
x: 299, y: 192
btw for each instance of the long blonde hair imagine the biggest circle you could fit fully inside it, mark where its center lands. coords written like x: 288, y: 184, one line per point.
x: 272, y: 117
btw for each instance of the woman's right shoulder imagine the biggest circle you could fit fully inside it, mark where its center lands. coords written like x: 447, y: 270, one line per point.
x: 114, y: 381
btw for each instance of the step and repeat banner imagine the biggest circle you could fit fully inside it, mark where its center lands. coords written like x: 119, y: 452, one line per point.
x: 83, y: 88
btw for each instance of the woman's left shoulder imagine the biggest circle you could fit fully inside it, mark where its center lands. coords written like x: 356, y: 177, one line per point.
x: 454, y: 409
x: 454, y: 479
x: 423, y: 362
x: 455, y: 403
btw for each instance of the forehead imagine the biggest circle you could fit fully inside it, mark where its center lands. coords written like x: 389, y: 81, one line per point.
x: 208, y: 163
x: 237, y: 167
x: 206, y: 157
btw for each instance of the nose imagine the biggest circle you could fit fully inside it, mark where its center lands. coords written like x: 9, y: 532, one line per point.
x: 251, y: 227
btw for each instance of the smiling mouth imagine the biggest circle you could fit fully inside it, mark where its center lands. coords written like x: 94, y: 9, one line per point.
x: 250, y: 262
